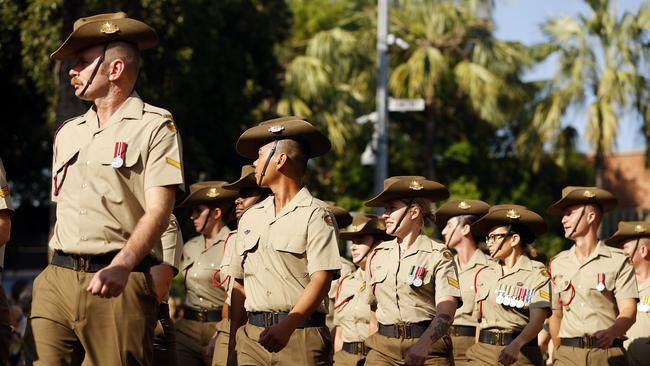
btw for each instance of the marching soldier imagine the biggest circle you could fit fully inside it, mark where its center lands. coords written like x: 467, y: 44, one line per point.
x: 455, y: 218
x: 414, y: 289
x: 287, y: 252
x: 5, y: 230
x: 594, y: 289
x: 343, y: 220
x: 248, y: 194
x: 634, y: 238
x: 351, y: 309
x: 205, y: 286
x: 164, y: 342
x: 116, y: 171
x: 512, y: 294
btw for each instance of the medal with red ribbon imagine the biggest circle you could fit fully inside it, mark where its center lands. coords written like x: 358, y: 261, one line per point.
x: 419, y: 275
x: 601, y: 282
x: 118, y: 154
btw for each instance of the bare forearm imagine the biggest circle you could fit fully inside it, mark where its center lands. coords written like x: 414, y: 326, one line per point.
x: 374, y: 325
x: 625, y: 319
x: 534, y: 326
x: 445, y: 317
x: 554, y: 323
x: 162, y: 275
x: 149, y: 228
x: 311, y: 298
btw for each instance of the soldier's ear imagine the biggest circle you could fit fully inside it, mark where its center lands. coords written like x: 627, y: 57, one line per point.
x: 216, y: 213
x: 515, y: 239
x: 465, y: 230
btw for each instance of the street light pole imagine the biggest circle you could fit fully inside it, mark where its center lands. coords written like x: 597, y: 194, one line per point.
x: 381, y: 167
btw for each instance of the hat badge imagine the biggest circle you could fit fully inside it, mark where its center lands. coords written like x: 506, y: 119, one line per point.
x: 589, y: 194
x: 109, y: 28
x: 275, y: 129
x: 212, y: 193
x: 464, y: 205
x: 415, y: 186
x: 639, y: 229
x: 513, y: 214
x: 381, y: 225
x: 356, y: 228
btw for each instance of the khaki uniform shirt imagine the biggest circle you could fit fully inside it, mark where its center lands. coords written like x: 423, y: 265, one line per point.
x: 276, y: 255
x: 98, y: 205
x: 351, y: 309
x: 5, y: 203
x: 641, y: 328
x: 585, y: 310
x: 172, y: 245
x: 204, y: 282
x: 528, y: 281
x: 347, y: 267
x: 464, y: 314
x: 225, y: 264
x: 397, y: 301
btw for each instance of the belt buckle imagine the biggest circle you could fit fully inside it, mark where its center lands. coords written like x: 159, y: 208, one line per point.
x: 401, y: 330
x: 201, y: 315
x: 499, y: 338
x: 587, y: 341
x: 80, y: 263
x: 268, y: 320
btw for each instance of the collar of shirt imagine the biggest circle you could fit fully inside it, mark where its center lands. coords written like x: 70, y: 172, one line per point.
x: 478, y: 258
x: 132, y: 108
x: 601, y: 250
x: 522, y: 264
x: 221, y: 236
x: 302, y: 199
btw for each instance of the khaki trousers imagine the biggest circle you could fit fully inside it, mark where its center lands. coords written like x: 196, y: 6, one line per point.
x: 306, y: 347
x: 192, y: 338
x: 344, y: 358
x: 488, y: 354
x: 220, y: 357
x: 574, y: 356
x: 461, y: 344
x: 5, y: 328
x: 72, y: 326
x: 391, y: 351
x: 164, y: 343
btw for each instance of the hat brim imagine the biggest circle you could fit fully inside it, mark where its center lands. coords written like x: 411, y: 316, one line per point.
x: 557, y: 209
x: 347, y: 235
x: 482, y: 227
x: 252, y: 139
x: 130, y: 30
x: 199, y: 198
x: 384, y: 197
x: 244, y: 182
x: 617, y: 240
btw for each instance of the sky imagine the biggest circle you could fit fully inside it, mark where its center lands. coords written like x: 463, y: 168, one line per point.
x: 521, y: 20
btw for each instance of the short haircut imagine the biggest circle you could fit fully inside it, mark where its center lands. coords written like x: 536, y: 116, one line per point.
x: 297, y: 152
x: 125, y: 51
x: 526, y: 235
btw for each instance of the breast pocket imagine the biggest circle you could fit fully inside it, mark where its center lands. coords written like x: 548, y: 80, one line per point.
x: 113, y: 177
x: 293, y: 251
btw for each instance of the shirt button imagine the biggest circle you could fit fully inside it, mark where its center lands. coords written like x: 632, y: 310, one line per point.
x: 88, y: 162
x: 83, y: 211
x: 195, y: 275
x: 84, y: 238
x: 84, y: 185
x: 212, y: 265
x: 198, y: 264
x: 200, y: 298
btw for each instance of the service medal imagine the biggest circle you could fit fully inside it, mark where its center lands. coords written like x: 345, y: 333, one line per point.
x: 601, y: 282
x: 117, y: 162
x: 118, y: 155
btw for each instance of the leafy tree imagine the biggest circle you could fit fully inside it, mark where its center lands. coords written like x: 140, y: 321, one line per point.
x: 601, y: 59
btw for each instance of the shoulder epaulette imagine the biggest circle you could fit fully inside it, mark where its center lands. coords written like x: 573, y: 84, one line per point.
x: 157, y: 110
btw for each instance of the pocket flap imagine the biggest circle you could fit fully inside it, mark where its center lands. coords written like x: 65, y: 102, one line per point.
x: 295, y: 244
x: 66, y: 156
x: 249, y: 241
x: 131, y: 155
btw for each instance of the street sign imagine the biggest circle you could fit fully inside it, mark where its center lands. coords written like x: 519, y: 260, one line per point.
x: 406, y: 105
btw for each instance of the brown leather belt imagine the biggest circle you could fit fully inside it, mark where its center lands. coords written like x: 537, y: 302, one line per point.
x: 462, y: 331
x: 202, y: 315
x: 356, y: 348
x: 93, y: 263
x: 502, y: 338
x: 587, y: 342
x: 263, y: 319
x: 404, y: 330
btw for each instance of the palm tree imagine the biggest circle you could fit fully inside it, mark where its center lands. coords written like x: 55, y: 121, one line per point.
x: 600, y: 60
x: 453, y: 55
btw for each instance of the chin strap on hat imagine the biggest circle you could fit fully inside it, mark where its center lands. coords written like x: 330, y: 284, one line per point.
x: 92, y: 76
x: 399, y: 222
x: 452, y: 234
x: 503, y: 240
x: 268, y: 160
x: 575, y: 227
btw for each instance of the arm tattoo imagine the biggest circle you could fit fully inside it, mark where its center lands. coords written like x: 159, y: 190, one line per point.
x: 440, y: 325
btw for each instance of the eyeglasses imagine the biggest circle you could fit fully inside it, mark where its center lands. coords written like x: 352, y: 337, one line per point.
x: 494, y: 237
